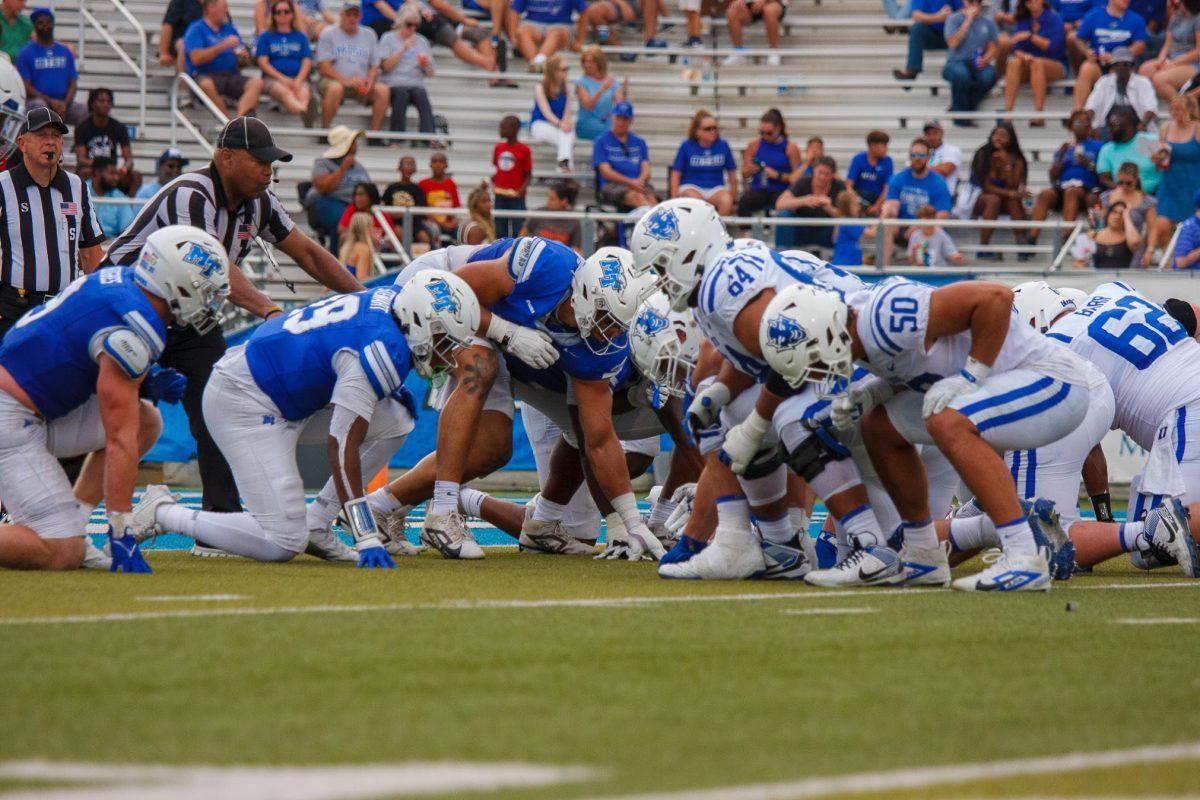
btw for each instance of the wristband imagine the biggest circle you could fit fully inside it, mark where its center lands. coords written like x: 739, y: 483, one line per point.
x: 626, y: 507
x: 1102, y: 506
x: 272, y: 310
x: 975, y: 370
x: 361, y: 520
x: 756, y: 423
x: 500, y: 330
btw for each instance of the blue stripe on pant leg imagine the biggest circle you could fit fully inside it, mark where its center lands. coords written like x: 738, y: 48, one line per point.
x: 1007, y: 397
x: 1020, y: 414
x: 1016, y: 468
x: 1180, y: 433
x: 1031, y: 474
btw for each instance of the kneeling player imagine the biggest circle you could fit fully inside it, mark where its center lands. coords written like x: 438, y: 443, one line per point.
x: 70, y: 371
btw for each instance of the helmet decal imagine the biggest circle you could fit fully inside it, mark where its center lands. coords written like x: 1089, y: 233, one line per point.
x: 443, y: 296
x: 610, y: 274
x: 785, y: 333
x: 200, y: 256
x: 662, y: 224
x: 650, y: 322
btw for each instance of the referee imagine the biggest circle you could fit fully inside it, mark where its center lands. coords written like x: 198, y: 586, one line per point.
x: 48, y: 228
x: 229, y: 198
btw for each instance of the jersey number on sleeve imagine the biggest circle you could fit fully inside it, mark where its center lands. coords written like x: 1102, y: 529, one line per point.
x: 903, y: 314
x: 322, y: 313
x: 1138, y: 338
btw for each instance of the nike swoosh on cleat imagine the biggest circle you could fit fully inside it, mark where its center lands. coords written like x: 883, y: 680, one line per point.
x: 863, y: 575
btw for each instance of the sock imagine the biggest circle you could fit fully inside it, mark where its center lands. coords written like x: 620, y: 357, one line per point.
x: 968, y: 534
x: 445, y: 498
x: 1016, y: 537
x: 777, y: 531
x: 662, y: 509
x: 841, y: 540
x: 1133, y: 536
x: 383, y: 500
x: 470, y: 502
x: 548, y: 511
x: 733, y: 520
x: 86, y: 508
x: 921, y: 534
x: 798, y: 519
x: 239, y: 534
x: 861, y: 527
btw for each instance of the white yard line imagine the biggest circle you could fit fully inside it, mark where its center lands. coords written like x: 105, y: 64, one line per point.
x: 1157, y: 621
x: 190, y: 598
x: 821, y: 612
x: 468, y: 605
x: 923, y: 777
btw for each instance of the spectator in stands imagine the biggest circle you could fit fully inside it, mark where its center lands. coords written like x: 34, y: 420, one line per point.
x: 1127, y: 144
x: 101, y: 135
x: 1111, y: 247
x: 550, y: 119
x: 1073, y: 12
x: 48, y: 69
x: 405, y: 61
x: 513, y: 162
x: 814, y: 148
x: 1073, y: 176
x: 1143, y: 210
x: 1187, y: 245
x: 178, y: 18
x: 1121, y: 86
x: 170, y: 165
x: 560, y: 196
x: 441, y: 192
x: 407, y: 192
x: 113, y: 217
x: 927, y: 32
x: 691, y: 15
x: 381, y: 15
x: 285, y: 58
x: 870, y: 172
x: 366, y: 196
x: 1038, y: 54
x: 1102, y: 31
x: 16, y: 29
x: 215, y: 53
x: 622, y: 163
x: 971, y: 37
x: 929, y: 245
x: 349, y: 68
x: 1180, y: 55
x: 811, y: 196
x: 601, y: 15
x: 704, y: 166
x: 359, y: 244
x: 945, y: 159
x: 311, y: 17
x: 545, y: 28
x: 1178, y: 158
x: 1000, y: 170
x: 334, y: 176
x: 847, y: 241
x: 597, y: 92
x: 479, y: 228
x: 908, y: 190
x: 441, y: 23
x: 739, y: 13
x: 1004, y: 14
x: 767, y: 161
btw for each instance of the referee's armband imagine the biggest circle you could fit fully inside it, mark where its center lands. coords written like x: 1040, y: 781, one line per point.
x: 129, y: 351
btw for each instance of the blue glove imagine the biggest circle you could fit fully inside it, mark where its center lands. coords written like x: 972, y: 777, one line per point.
x: 683, y: 550
x: 375, y: 557
x: 126, y: 555
x: 165, y: 385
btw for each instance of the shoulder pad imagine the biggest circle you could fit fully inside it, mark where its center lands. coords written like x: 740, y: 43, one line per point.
x: 130, y: 352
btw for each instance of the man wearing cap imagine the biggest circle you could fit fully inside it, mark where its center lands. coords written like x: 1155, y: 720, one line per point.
x: 215, y: 53
x: 170, y: 164
x: 944, y: 158
x: 230, y: 199
x: 1187, y: 244
x: 15, y: 28
x: 39, y: 256
x: 48, y: 69
x: 348, y: 67
x: 334, y: 176
x: 622, y: 162
x: 1106, y: 28
x: 1122, y: 86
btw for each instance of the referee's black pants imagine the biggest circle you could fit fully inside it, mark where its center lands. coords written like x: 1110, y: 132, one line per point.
x: 194, y: 355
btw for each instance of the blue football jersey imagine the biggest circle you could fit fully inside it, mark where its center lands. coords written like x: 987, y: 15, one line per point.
x: 575, y: 360
x: 291, y: 357
x: 53, y: 351
x: 542, y: 270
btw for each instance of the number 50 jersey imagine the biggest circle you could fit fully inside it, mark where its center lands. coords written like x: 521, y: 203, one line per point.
x: 1149, y: 360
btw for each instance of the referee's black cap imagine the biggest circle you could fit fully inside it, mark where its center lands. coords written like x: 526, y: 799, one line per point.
x: 252, y: 135
x: 40, y: 117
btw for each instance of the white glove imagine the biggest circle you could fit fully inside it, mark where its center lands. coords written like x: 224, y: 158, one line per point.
x: 942, y: 393
x: 638, y: 542
x: 533, y: 347
x: 847, y: 409
x: 743, y: 441
x: 683, y: 499
x: 707, y: 405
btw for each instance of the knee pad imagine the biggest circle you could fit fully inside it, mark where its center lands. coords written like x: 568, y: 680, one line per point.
x: 765, y: 488
x: 765, y: 463
x: 813, y: 454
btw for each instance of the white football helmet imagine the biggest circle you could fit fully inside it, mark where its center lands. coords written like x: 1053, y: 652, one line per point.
x: 605, y: 295
x: 12, y: 104
x: 1038, y: 303
x: 804, y: 336
x: 1078, y: 295
x: 665, y: 345
x: 676, y: 239
x: 189, y: 269
x: 438, y: 314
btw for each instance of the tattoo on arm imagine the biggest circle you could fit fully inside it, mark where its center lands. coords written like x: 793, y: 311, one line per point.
x: 478, y: 375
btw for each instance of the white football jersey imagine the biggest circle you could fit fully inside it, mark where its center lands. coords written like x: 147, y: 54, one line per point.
x: 893, y: 317
x: 735, y: 277
x: 1150, y: 362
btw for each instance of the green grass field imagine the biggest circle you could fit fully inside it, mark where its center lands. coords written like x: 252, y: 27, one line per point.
x: 680, y: 690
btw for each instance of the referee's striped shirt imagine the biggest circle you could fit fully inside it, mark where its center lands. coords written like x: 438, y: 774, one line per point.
x: 198, y: 199
x: 42, y: 230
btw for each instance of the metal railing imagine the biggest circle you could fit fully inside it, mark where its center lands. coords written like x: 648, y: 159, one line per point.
x: 138, y: 67
x: 178, y: 118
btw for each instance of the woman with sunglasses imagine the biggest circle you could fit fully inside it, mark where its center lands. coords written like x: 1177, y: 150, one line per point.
x: 704, y: 166
x: 1111, y: 247
x: 767, y: 162
x: 285, y: 58
x: 1143, y: 210
x: 405, y: 61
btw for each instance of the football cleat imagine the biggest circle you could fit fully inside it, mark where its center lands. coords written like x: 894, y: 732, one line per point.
x: 326, y: 545
x: 143, y: 513
x: 826, y: 549
x: 394, y: 528
x: 542, y: 536
x: 449, y: 535
x: 923, y: 566
x: 1010, y: 572
x: 94, y: 557
x: 732, y: 555
x: 791, y: 561
x: 1169, y: 540
x: 684, y: 548
x: 665, y: 536
x: 870, y: 566
x: 1048, y: 534
x: 204, y: 551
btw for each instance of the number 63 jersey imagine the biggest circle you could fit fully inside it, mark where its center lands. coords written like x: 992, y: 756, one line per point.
x: 1150, y: 362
